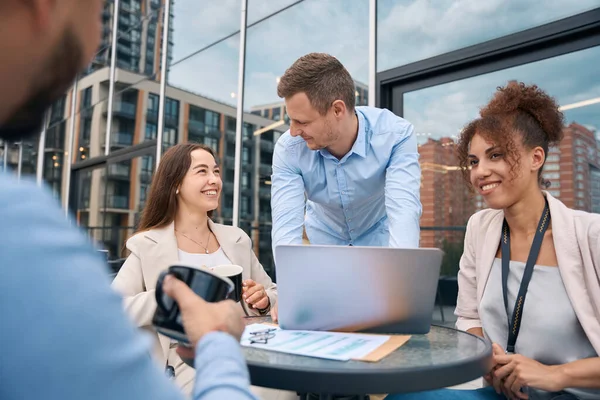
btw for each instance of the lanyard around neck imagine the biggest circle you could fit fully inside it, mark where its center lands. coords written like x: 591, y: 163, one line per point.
x: 514, y: 323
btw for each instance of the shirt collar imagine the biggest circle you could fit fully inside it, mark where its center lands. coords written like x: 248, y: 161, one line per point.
x: 359, y: 147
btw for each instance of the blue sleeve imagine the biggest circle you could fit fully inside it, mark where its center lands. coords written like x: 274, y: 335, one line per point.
x: 221, y: 366
x: 64, y: 333
x: 287, y: 200
x: 402, y: 189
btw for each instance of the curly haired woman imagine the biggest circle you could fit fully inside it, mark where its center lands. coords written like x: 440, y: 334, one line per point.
x: 529, y: 262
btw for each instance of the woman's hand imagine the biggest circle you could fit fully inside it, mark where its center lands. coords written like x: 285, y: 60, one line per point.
x: 491, y: 378
x: 255, y: 294
x: 274, y: 314
x: 518, y: 372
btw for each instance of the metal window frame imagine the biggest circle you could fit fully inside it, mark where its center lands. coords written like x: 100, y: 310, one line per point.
x: 239, y: 125
x: 578, y: 32
x: 164, y: 68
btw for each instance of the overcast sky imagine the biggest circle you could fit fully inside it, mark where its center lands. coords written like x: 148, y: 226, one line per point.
x: 408, y: 31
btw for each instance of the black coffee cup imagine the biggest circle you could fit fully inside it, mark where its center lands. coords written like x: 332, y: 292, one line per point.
x: 207, y: 284
x: 233, y: 272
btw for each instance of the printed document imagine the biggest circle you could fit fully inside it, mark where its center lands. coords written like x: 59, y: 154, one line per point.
x: 329, y: 345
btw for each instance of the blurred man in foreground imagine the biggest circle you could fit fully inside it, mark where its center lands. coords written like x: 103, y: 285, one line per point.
x: 64, y: 333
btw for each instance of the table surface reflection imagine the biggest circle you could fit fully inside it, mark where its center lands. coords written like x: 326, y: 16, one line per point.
x: 443, y: 357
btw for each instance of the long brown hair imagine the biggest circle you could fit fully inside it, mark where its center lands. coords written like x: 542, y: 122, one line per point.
x: 161, y: 204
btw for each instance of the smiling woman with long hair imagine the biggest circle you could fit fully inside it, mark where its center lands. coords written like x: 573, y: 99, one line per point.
x: 176, y: 227
x: 529, y: 278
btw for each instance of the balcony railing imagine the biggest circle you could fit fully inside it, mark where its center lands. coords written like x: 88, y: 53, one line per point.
x: 124, y: 109
x: 267, y: 145
x: 119, y: 171
x: 196, y: 126
x: 152, y: 116
x: 228, y: 187
x: 116, y: 201
x: 264, y: 193
x: 264, y: 170
x: 145, y: 176
x: 229, y: 161
x: 171, y: 121
x: 121, y: 139
x: 230, y: 135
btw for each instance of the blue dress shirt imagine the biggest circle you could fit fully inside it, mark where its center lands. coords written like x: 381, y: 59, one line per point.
x: 63, y: 332
x: 368, y: 198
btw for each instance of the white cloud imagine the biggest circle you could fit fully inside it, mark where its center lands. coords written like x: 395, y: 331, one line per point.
x: 412, y: 30
x: 408, y: 30
x: 444, y: 109
x: 334, y: 26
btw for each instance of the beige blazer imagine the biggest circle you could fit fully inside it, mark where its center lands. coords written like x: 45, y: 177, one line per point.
x: 576, y: 236
x: 154, y: 251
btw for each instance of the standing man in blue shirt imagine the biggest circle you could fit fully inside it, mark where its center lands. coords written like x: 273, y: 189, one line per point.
x: 64, y: 333
x: 354, y: 169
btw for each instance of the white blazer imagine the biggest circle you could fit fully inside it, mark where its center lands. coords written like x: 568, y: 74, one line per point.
x: 154, y: 251
x: 576, y: 236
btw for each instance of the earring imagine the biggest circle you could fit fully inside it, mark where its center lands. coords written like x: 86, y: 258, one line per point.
x: 177, y: 192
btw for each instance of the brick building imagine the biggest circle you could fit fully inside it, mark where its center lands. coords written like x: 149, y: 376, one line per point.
x: 574, y: 169
x: 447, y: 202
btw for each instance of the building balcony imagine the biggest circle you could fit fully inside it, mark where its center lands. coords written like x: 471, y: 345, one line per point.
x: 145, y: 176
x: 247, y: 191
x: 130, y: 51
x: 119, y: 171
x: 118, y: 202
x: 264, y: 170
x: 125, y: 35
x: 87, y: 112
x: 230, y: 136
x: 124, y: 109
x: 171, y: 121
x: 120, y: 139
x: 228, y: 187
x: 226, y: 213
x: 212, y: 132
x: 264, y: 217
x: 196, y: 127
x: 152, y: 116
x: 229, y: 162
x: 267, y: 145
x: 264, y: 193
x: 247, y: 166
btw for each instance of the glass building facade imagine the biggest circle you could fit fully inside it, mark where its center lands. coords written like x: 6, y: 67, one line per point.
x: 433, y: 63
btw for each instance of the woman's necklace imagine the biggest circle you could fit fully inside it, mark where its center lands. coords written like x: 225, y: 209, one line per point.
x: 199, y: 244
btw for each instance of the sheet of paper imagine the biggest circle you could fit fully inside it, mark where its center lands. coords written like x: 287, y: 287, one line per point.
x: 329, y: 345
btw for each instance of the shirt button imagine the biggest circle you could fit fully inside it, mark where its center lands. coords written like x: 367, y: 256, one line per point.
x: 349, y: 219
x: 351, y: 230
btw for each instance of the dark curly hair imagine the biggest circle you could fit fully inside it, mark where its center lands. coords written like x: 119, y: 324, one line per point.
x: 515, y: 108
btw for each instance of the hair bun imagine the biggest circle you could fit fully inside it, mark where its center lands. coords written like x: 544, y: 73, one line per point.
x: 517, y: 97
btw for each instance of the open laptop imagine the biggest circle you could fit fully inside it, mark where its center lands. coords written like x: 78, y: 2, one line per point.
x: 354, y: 288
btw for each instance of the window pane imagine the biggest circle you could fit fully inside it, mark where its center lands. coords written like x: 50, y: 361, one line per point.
x: 439, y: 112
x: 107, y: 201
x: 413, y: 30
x: 336, y: 27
